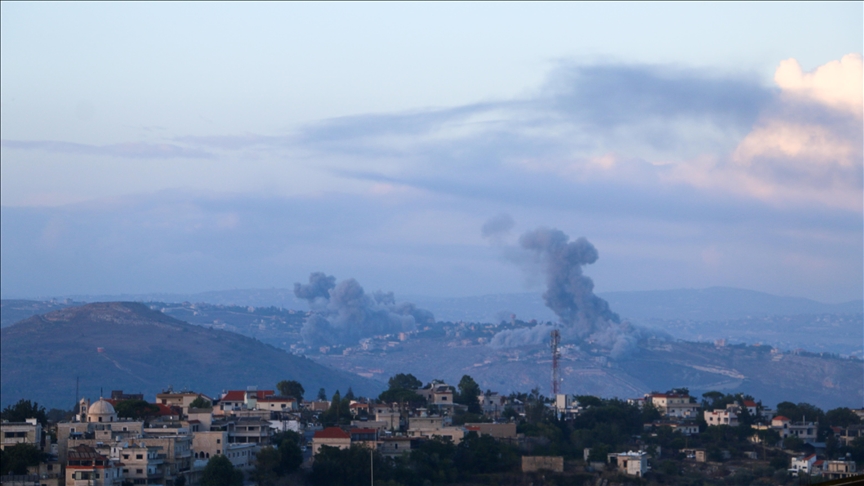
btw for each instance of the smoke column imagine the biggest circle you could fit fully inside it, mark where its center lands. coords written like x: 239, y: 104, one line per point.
x: 584, y: 317
x: 342, y: 313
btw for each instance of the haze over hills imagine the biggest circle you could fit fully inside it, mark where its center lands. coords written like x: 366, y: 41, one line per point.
x: 129, y: 346
x: 713, y: 303
x: 737, y: 315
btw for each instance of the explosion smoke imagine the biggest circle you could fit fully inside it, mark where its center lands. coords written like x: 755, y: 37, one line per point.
x: 570, y: 295
x: 343, y: 313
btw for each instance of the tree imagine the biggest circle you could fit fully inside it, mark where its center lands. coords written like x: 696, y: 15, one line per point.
x: 200, y: 402
x: 404, y: 381
x: 23, y: 410
x: 136, y: 409
x: 322, y: 395
x: 266, y: 466
x: 290, y: 457
x: 349, y: 395
x: 469, y: 392
x: 291, y: 388
x: 16, y: 459
x: 402, y: 388
x: 220, y: 472
x: 842, y: 417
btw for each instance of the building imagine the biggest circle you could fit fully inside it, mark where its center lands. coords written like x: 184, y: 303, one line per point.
x: 331, y: 437
x: 140, y: 464
x: 675, y: 405
x: 838, y: 469
x: 685, y: 427
x: 86, y: 467
x: 721, y: 417
x: 630, y: 463
x: 802, y: 464
x: 27, y: 432
x: 805, y: 431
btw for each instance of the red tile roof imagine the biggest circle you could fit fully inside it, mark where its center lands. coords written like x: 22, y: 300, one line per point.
x: 332, y: 433
x: 749, y: 403
x: 240, y: 395
x: 780, y: 417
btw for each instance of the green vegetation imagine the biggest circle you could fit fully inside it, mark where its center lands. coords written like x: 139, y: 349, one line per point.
x: 200, y: 402
x: 291, y: 388
x: 433, y: 462
x: 220, y: 472
x: 23, y: 410
x: 402, y: 388
x: 136, y: 409
x: 16, y: 459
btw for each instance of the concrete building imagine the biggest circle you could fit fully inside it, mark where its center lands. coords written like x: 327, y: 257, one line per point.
x: 27, y: 432
x: 676, y: 405
x: 86, y: 467
x: 332, y: 437
x: 721, y: 417
x: 630, y: 463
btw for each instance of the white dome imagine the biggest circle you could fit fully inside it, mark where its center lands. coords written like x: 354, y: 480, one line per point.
x: 101, y: 407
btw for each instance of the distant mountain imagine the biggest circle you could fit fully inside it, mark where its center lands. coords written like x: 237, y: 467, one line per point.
x: 710, y: 304
x: 123, y: 345
x: 717, y: 303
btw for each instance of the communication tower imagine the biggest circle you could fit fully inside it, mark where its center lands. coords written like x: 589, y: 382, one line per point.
x: 556, y: 340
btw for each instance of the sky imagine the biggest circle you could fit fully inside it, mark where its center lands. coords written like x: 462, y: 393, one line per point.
x: 187, y: 147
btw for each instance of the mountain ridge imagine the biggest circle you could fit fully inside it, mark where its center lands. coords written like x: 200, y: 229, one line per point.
x: 127, y: 345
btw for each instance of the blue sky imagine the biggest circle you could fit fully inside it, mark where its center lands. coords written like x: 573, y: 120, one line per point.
x: 187, y: 147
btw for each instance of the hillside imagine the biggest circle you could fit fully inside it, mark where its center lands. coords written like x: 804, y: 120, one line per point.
x: 128, y: 346
x: 768, y: 375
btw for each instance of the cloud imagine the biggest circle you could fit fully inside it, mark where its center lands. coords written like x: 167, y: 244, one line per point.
x: 131, y: 150
x: 837, y: 84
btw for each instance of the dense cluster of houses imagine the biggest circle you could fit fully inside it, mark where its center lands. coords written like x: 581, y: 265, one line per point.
x: 99, y: 448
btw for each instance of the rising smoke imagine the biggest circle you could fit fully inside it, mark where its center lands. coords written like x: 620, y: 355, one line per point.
x: 342, y: 313
x: 583, y: 317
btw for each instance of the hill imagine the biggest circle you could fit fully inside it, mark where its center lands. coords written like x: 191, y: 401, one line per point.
x: 123, y: 345
x: 656, y: 365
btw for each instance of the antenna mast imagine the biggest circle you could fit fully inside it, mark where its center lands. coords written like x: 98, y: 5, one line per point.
x: 556, y: 340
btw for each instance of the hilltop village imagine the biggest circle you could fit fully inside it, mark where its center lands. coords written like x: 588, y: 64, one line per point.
x: 435, y: 433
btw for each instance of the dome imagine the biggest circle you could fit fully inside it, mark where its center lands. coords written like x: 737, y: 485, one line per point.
x: 101, y: 411
x: 101, y: 407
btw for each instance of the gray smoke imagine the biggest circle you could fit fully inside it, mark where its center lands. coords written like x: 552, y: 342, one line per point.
x: 497, y: 226
x: 584, y: 317
x: 343, y: 313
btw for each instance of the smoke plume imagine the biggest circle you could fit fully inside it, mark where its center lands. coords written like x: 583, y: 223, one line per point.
x: 342, y: 313
x: 583, y: 317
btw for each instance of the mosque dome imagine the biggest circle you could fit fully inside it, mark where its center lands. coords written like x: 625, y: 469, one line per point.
x: 101, y: 411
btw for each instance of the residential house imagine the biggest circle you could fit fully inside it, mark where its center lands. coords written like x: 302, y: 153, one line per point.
x: 630, y: 463
x: 86, y: 467
x: 331, y: 437
x: 805, y: 431
x: 675, y: 405
x: 802, y: 464
x: 27, y: 432
x: 726, y: 416
x: 838, y: 469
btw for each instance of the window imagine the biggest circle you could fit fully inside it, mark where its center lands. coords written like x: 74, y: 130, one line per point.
x: 218, y: 441
x: 139, y: 471
x: 139, y: 456
x: 125, y: 456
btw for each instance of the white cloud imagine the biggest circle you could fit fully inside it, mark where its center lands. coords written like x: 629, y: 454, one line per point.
x: 838, y: 84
